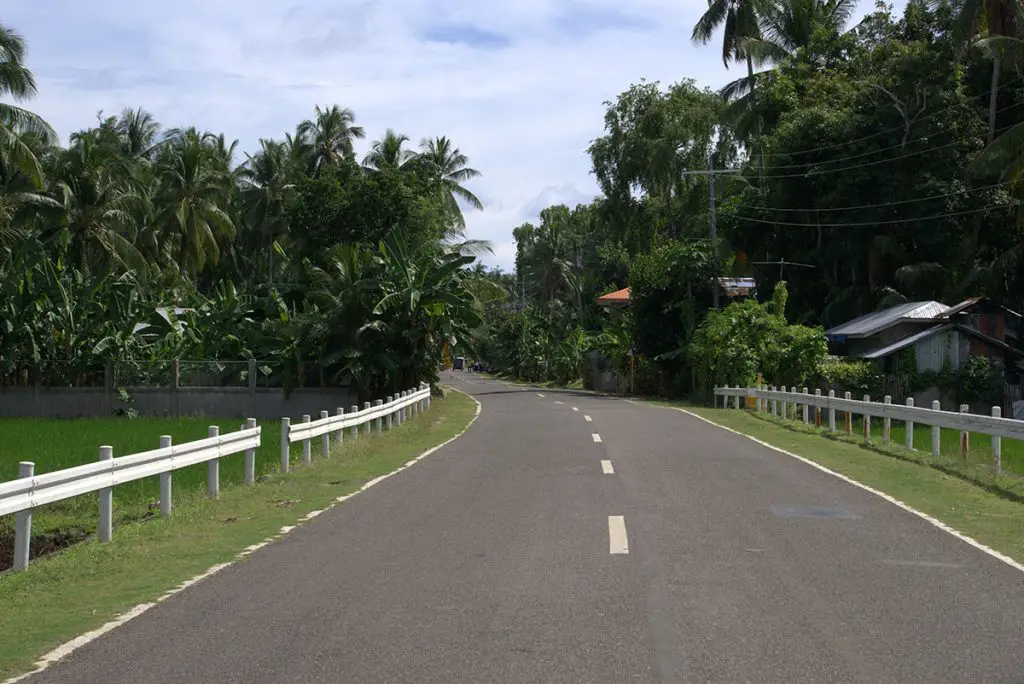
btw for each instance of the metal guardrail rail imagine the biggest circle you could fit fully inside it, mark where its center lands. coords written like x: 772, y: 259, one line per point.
x: 30, y: 491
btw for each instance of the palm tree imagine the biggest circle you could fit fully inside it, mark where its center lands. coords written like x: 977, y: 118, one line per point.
x: 1002, y: 17
x: 195, y: 189
x: 20, y: 199
x: 388, y: 153
x: 138, y: 130
x: 300, y: 153
x: 18, y: 82
x: 99, y: 206
x: 451, y: 167
x: 331, y: 133
x: 265, y: 189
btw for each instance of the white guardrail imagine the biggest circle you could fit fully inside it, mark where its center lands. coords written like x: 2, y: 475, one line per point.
x: 789, y: 404
x: 30, y: 490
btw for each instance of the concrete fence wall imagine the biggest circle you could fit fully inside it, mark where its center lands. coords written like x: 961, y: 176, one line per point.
x: 171, y: 401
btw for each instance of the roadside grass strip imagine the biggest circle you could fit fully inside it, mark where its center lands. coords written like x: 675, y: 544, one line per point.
x: 88, y: 586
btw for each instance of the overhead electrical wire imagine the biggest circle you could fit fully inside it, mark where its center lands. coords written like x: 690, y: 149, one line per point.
x: 884, y: 222
x: 880, y: 204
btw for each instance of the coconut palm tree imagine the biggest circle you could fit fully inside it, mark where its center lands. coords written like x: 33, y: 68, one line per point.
x: 18, y: 83
x: 388, y: 153
x: 265, y: 187
x: 138, y: 131
x: 194, y: 197
x: 331, y: 132
x: 452, y: 168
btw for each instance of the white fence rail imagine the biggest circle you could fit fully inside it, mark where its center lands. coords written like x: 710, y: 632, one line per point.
x: 30, y: 490
x: 791, y: 404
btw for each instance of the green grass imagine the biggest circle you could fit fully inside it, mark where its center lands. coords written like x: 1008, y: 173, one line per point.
x: 979, y: 451
x: 64, y: 595
x: 968, y: 497
x: 55, y: 444
x: 550, y: 384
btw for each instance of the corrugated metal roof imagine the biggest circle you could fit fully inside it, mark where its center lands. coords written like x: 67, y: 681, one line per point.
x: 905, y: 342
x: 966, y: 304
x: 869, y: 324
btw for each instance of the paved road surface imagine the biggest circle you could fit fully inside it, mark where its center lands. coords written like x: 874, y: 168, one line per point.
x: 492, y: 561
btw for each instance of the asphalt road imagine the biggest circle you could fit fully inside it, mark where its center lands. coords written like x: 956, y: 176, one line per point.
x: 503, y: 558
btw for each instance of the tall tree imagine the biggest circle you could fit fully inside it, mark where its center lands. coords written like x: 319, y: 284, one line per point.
x: 451, y: 166
x: 17, y: 82
x: 331, y: 132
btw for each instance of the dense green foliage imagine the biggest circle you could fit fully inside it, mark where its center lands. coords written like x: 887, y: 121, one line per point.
x: 138, y: 245
x: 884, y: 159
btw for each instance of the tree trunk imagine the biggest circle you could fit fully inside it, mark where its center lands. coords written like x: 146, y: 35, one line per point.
x: 992, y: 97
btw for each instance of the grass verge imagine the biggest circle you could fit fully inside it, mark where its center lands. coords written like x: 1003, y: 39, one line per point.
x: 77, y: 590
x: 968, y: 498
x: 549, y: 384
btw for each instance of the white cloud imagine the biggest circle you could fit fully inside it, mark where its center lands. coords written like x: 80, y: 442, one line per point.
x: 522, y: 96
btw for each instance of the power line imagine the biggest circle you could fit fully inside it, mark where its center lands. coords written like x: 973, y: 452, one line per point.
x: 879, y: 205
x: 888, y: 130
x: 871, y: 152
x: 875, y: 223
x: 822, y: 172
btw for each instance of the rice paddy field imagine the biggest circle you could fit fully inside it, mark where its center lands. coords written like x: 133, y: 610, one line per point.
x: 55, y: 444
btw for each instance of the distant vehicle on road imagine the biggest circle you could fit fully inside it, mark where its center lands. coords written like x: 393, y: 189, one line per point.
x: 459, y: 363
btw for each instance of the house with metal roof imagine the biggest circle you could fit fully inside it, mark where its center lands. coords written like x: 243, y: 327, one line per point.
x: 877, y: 329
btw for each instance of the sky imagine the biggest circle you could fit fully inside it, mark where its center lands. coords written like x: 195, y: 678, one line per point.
x: 519, y: 87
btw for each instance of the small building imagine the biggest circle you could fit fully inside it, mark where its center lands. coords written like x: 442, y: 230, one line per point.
x: 877, y: 329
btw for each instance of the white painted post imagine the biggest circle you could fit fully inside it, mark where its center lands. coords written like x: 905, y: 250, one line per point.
x: 849, y: 414
x: 415, y: 404
x: 817, y: 408
x: 23, y: 523
x: 831, y: 412
x: 401, y: 411
x: 213, y: 468
x: 378, y: 422
x: 965, y: 436
x: 807, y: 407
x: 307, y: 448
x: 106, y: 526
x: 355, y: 428
x: 366, y: 426
x: 325, y: 439
x: 165, y: 481
x: 250, y: 456
x: 785, y: 404
x: 388, y: 411
x: 867, y: 420
x: 886, y: 420
x: 339, y: 434
x: 426, y: 400
x: 908, y: 425
x: 997, y: 443
x: 775, y: 404
x: 286, y: 424
x: 936, y: 440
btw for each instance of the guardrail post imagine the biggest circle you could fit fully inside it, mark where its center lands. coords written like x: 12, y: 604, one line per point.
x: 831, y: 412
x: 415, y: 404
x: 286, y: 424
x: 785, y: 404
x: 807, y: 407
x: 378, y: 422
x: 307, y: 448
x: 250, y: 456
x: 886, y: 420
x: 817, y: 408
x: 965, y: 436
x: 366, y: 425
x: 401, y: 411
x: 849, y: 414
x: 936, y: 436
x: 997, y: 443
x: 908, y: 426
x: 339, y: 434
x: 325, y: 439
x: 106, y: 525
x: 426, y: 386
x: 165, y: 480
x: 774, y: 404
x: 388, y: 411
x: 213, y: 468
x: 23, y: 523
x: 867, y: 420
x: 355, y: 428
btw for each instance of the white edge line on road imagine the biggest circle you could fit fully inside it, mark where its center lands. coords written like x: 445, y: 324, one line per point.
x: 588, y: 419
x: 596, y: 437
x: 560, y: 402
x: 618, y: 542
x: 68, y: 647
x: 540, y: 395
x: 606, y: 468
x: 575, y: 409
x: 910, y: 509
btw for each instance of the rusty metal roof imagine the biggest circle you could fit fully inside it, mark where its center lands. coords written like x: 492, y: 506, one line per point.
x: 869, y: 324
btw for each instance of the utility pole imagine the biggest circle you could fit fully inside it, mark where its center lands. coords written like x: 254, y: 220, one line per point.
x: 710, y: 173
